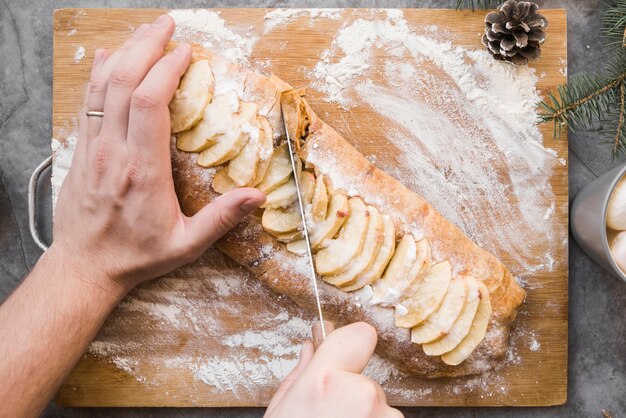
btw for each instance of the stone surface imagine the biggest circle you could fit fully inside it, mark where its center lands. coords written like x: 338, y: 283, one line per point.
x: 597, y: 301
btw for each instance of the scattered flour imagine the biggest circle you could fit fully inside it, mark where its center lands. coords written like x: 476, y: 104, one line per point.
x: 79, y: 54
x: 209, y: 29
x: 534, y: 345
x: 280, y: 17
x: 451, y: 112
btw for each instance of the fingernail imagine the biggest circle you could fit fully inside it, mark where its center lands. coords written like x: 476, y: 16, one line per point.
x: 162, y: 20
x: 141, y: 30
x: 181, y: 48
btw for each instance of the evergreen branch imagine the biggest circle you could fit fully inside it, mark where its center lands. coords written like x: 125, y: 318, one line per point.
x: 620, y: 123
x: 564, y: 107
x: 614, y: 24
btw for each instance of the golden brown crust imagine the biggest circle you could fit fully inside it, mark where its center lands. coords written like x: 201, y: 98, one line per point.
x: 268, y: 259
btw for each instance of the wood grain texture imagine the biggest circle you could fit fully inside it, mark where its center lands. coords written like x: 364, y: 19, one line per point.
x: 539, y: 378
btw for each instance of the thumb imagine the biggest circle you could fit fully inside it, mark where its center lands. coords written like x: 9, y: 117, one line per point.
x: 348, y: 348
x: 222, y: 215
x: 305, y: 358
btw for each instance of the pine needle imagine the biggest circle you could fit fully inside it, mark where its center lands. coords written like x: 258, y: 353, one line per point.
x: 620, y: 124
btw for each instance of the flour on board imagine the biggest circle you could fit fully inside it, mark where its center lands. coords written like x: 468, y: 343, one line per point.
x: 79, y: 54
x: 209, y: 29
x: 434, y: 94
x: 280, y: 17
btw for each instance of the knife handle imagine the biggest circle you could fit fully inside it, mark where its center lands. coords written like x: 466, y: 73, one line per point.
x: 318, y: 336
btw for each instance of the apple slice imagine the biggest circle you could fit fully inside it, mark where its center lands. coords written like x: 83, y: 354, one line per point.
x: 440, y: 322
x: 320, y: 199
x: 281, y: 221
x: 337, y: 214
x: 266, y: 146
x: 477, y: 331
x: 278, y: 171
x: 289, y: 236
x: 222, y: 183
x: 373, y: 241
x: 242, y: 168
x: 297, y: 247
x: 193, y: 94
x: 384, y: 254
x: 217, y: 119
x: 307, y: 186
x: 461, y: 326
x: 228, y: 146
x: 230, y: 143
x: 282, y: 196
x: 398, y: 269
x: 427, y: 294
x: 343, y: 249
x: 399, y: 283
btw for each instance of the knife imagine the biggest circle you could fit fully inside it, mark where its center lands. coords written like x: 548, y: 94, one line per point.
x: 319, y: 331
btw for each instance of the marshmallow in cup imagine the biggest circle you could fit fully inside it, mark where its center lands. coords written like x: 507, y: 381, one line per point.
x: 616, y: 220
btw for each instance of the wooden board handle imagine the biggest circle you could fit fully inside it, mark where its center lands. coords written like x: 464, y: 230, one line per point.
x: 316, y: 330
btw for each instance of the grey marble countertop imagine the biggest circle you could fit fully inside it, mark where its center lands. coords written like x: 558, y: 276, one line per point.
x: 597, y: 318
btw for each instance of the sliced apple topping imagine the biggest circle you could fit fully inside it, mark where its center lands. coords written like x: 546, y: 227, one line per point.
x: 461, y: 326
x: 320, y: 199
x: 373, y: 240
x: 283, y: 196
x: 289, y: 236
x: 217, y: 119
x: 398, y: 268
x: 266, y: 146
x: 230, y: 143
x: 297, y: 247
x: 278, y: 171
x: 426, y: 295
x: 340, y: 251
x: 242, y: 168
x: 384, y: 254
x: 440, y: 322
x: 281, y: 221
x: 307, y: 186
x: 337, y: 214
x: 477, y: 331
x: 222, y: 183
x: 194, y: 92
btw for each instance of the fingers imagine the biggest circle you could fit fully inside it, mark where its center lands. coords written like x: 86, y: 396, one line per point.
x: 130, y: 72
x: 305, y: 358
x: 220, y: 216
x: 348, y: 348
x: 99, y: 58
x: 99, y: 82
x: 149, y: 122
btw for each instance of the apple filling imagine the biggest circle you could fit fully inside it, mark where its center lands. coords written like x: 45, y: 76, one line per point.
x: 354, y: 244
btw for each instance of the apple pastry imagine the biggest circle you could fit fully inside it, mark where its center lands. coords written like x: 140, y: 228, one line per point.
x: 442, y: 305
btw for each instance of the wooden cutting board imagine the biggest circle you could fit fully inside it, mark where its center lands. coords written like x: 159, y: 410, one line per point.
x: 201, y: 335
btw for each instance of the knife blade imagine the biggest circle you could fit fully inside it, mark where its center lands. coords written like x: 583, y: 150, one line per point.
x: 305, y: 232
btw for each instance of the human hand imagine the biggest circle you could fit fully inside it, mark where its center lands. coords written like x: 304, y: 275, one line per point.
x: 329, y: 383
x: 117, y: 219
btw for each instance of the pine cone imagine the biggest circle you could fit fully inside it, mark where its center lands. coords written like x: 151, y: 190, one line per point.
x: 515, y: 32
